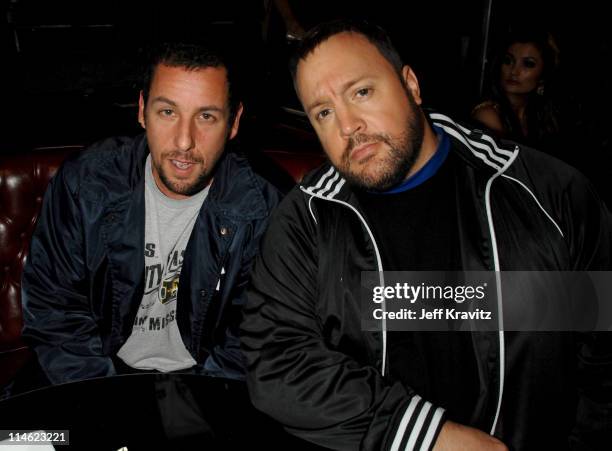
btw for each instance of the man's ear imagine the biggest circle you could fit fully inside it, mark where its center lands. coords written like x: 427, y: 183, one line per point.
x: 236, y: 123
x: 141, y: 108
x: 412, y: 84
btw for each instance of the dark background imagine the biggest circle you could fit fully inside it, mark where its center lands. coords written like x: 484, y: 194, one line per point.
x: 71, y: 69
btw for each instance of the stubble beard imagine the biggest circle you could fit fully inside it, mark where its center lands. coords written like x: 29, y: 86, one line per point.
x: 399, y: 158
x: 184, y: 188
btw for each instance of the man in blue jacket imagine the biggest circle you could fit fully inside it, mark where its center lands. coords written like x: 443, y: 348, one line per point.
x: 143, y: 247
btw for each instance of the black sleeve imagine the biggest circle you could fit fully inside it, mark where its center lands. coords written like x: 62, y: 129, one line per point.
x: 317, y: 393
x: 589, y: 233
x: 58, y: 321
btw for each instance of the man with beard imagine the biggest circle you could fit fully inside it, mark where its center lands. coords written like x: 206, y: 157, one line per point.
x: 405, y: 191
x: 142, y: 251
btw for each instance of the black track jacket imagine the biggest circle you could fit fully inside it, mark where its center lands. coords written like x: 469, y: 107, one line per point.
x: 312, y: 367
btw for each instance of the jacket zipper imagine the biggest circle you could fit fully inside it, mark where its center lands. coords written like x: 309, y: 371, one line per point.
x: 378, y: 263
x: 496, y: 267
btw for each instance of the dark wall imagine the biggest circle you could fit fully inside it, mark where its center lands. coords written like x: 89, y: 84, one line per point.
x: 583, y: 86
x: 71, y: 67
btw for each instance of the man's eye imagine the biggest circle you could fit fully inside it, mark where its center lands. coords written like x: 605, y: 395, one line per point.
x: 166, y: 112
x: 323, y: 114
x: 207, y: 117
x: 363, y: 92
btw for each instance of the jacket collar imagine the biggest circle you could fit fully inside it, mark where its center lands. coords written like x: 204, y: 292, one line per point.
x: 236, y: 192
x: 477, y: 149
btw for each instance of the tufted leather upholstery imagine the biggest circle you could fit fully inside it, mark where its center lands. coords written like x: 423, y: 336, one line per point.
x: 23, y: 180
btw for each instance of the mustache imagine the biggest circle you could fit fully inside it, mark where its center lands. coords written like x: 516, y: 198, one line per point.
x: 183, y: 156
x: 362, y: 138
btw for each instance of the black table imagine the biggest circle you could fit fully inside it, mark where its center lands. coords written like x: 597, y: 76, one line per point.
x: 149, y: 411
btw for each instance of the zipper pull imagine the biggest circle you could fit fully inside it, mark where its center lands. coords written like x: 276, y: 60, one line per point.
x: 219, y: 281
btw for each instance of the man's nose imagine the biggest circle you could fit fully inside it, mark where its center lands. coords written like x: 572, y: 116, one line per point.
x: 349, y: 121
x: 184, y: 138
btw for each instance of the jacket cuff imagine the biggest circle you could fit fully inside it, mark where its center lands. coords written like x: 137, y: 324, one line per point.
x: 418, y: 427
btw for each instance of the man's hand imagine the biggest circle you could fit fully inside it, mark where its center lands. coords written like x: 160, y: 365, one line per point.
x: 456, y: 437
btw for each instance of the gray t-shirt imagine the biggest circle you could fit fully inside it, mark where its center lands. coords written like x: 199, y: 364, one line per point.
x: 155, y: 342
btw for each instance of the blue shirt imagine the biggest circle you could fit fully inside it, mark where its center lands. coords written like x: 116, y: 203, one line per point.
x: 430, y: 168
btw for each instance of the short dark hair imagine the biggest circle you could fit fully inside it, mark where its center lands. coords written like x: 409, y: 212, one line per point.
x: 191, y: 56
x: 322, y: 32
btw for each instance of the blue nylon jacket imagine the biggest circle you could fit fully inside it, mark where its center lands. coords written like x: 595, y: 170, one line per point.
x: 84, y: 278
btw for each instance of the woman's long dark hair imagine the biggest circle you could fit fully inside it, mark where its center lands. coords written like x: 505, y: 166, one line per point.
x: 541, y: 110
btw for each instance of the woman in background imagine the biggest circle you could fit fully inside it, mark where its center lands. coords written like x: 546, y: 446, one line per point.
x: 521, y: 104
